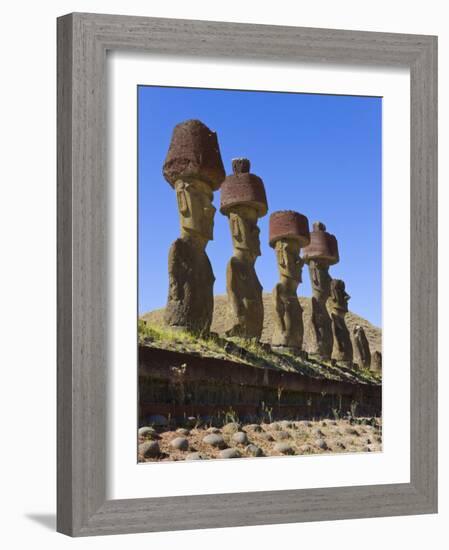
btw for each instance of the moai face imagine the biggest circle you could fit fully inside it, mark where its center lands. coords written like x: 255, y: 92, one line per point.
x: 320, y: 280
x: 196, y: 211
x: 288, y: 260
x: 339, y: 296
x: 244, y: 230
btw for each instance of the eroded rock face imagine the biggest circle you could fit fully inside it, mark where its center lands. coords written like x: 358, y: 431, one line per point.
x: 338, y: 302
x: 319, y: 255
x: 289, y: 231
x: 194, y: 168
x: 361, y: 345
x: 243, y: 201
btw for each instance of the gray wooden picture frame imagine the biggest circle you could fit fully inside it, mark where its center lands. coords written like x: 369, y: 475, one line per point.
x: 83, y: 40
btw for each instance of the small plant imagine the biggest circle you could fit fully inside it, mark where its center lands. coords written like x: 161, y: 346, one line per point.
x: 336, y: 413
x: 354, y: 405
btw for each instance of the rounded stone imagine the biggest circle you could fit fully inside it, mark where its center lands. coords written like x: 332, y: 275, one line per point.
x: 213, y: 430
x: 282, y: 435
x: 180, y: 443
x: 321, y: 444
x: 183, y: 431
x: 232, y: 427
x: 286, y: 424
x: 254, y: 450
x: 215, y: 440
x: 195, y: 456
x: 150, y: 449
x: 275, y: 426
x: 284, y: 448
x: 240, y: 438
x: 146, y: 432
x: 229, y: 453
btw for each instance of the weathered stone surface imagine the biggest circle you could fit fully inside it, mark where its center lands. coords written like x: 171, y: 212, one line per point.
x: 240, y: 438
x: 195, y: 456
x: 180, y: 443
x: 254, y: 427
x: 254, y: 450
x: 148, y: 433
x: 232, y: 427
x: 194, y: 168
x: 194, y: 154
x: 321, y: 444
x: 149, y: 449
x: 215, y: 440
x: 338, y: 302
x: 243, y: 200
x: 183, y: 431
x: 323, y: 247
x: 288, y: 232
x: 376, y: 361
x: 362, y: 353
x: 284, y: 448
x: 229, y: 453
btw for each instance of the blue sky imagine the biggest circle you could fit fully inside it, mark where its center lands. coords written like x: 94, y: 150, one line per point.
x: 317, y: 154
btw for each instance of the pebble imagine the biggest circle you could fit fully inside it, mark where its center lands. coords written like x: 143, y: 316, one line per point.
x: 148, y: 433
x: 149, y: 449
x: 231, y: 427
x: 254, y: 450
x: 229, y: 453
x: 215, y: 440
x: 321, y: 444
x: 240, y: 438
x: 284, y: 448
x: 195, y: 456
x: 180, y: 443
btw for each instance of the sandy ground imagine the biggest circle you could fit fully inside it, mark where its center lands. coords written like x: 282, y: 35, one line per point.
x: 298, y: 438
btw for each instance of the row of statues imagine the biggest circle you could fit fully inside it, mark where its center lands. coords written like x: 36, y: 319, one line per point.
x: 194, y: 168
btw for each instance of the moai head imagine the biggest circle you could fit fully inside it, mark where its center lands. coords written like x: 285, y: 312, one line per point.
x: 193, y: 167
x: 321, y: 253
x: 244, y: 201
x: 289, y: 232
x: 339, y: 297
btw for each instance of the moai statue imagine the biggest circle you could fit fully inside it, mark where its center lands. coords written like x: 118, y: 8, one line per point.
x: 243, y: 201
x: 376, y: 363
x: 321, y: 253
x: 338, y: 304
x: 289, y: 232
x: 361, y: 346
x: 193, y: 167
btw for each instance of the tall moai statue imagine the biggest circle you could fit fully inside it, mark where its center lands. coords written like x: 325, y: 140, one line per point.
x: 243, y: 201
x: 376, y: 362
x: 361, y: 347
x: 338, y: 304
x: 320, y: 254
x: 289, y: 232
x: 194, y: 168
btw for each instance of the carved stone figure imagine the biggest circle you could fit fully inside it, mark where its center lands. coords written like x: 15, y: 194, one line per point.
x: 289, y: 232
x: 243, y: 200
x: 194, y: 168
x: 338, y: 303
x: 321, y: 253
x: 376, y: 362
x: 361, y: 346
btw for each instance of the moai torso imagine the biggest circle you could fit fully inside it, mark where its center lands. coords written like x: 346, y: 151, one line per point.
x: 376, y: 361
x: 361, y: 348
x: 194, y: 168
x: 322, y: 336
x: 321, y: 253
x: 342, y: 346
x: 243, y: 201
x: 190, y: 295
x: 289, y: 231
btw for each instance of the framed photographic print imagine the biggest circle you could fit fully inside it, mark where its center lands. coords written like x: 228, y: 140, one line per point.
x: 247, y: 274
